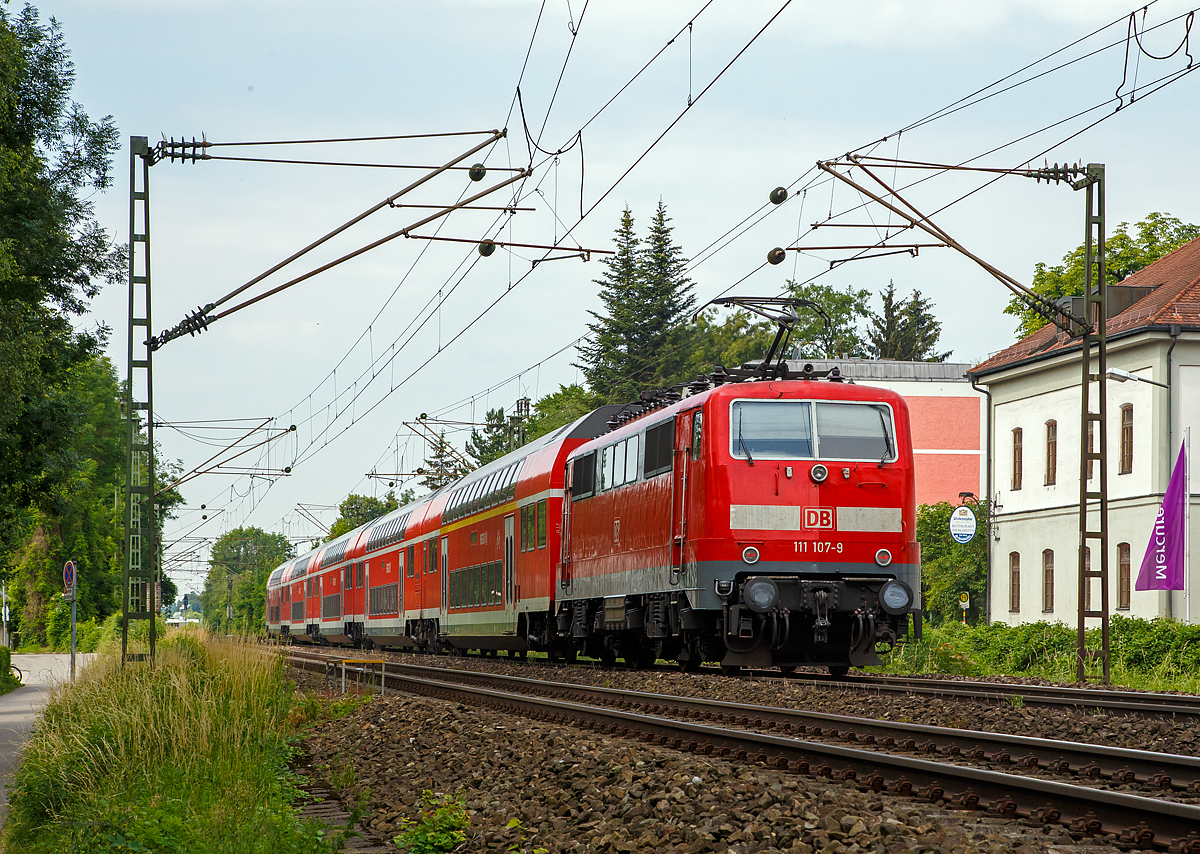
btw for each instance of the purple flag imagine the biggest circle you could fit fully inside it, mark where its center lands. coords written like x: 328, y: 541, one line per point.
x: 1162, y: 567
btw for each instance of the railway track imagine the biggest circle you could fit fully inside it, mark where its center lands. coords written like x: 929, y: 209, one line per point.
x: 1137, y: 819
x: 1110, y: 700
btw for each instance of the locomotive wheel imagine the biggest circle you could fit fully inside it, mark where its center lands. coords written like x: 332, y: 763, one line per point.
x: 837, y: 671
x: 787, y: 668
x: 608, y: 658
x: 731, y: 669
x: 691, y: 665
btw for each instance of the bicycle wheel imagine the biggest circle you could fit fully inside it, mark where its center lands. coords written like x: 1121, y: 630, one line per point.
x: 17, y: 672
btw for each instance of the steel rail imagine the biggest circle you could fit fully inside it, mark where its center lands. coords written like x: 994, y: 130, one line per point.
x: 1119, y: 764
x: 1139, y: 820
x: 1143, y: 703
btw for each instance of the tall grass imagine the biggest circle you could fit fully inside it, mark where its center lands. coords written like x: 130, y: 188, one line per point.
x: 188, y: 756
x: 1155, y: 655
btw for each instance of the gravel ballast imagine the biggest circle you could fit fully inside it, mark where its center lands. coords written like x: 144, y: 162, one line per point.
x: 1087, y: 726
x: 577, y: 790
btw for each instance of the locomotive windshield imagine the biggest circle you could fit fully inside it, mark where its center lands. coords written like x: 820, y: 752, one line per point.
x: 785, y: 429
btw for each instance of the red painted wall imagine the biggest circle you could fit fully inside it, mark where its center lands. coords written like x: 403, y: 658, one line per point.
x: 945, y: 424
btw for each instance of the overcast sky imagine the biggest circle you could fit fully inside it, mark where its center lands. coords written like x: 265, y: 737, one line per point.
x: 350, y: 354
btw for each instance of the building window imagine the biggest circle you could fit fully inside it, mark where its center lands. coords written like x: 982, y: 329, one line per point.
x: 1014, y: 582
x: 1016, y: 459
x: 1123, y: 576
x: 1127, y: 438
x: 1047, y: 581
x: 1051, y: 452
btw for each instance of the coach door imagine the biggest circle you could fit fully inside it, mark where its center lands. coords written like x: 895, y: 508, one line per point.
x: 509, y: 523
x: 445, y: 572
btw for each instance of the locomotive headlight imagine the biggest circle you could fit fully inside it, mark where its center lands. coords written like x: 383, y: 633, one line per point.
x: 760, y: 594
x: 883, y: 557
x: 750, y: 554
x: 818, y: 473
x: 896, y: 597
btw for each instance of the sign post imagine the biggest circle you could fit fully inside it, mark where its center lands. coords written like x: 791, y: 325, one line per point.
x: 964, y: 602
x: 69, y: 595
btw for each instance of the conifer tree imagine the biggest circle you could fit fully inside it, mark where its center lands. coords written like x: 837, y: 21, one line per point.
x: 640, y: 340
x: 906, y: 329
x: 443, y: 467
x: 605, y: 358
x: 493, y: 442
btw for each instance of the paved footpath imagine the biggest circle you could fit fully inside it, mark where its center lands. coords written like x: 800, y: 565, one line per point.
x: 19, y: 708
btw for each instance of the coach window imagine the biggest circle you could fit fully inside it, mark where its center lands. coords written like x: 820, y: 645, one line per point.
x: 1051, y: 452
x: 606, y: 468
x: 697, y: 426
x: 1127, y: 438
x: 1123, y: 576
x: 1047, y: 581
x: 1014, y: 582
x: 541, y: 524
x: 1017, y: 438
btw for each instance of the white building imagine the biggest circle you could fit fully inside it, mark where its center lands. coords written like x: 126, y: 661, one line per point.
x: 1034, y: 424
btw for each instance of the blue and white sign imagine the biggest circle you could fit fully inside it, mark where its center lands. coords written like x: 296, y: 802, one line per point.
x: 69, y: 580
x: 963, y: 524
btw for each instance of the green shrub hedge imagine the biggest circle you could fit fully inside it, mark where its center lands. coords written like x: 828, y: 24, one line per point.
x: 1159, y: 653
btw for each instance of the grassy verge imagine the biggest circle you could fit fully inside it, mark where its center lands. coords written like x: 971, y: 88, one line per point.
x: 188, y: 757
x: 1155, y: 655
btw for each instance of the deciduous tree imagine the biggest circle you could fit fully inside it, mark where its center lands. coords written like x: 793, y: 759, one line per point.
x: 1124, y: 254
x: 356, y: 510
x: 246, y: 557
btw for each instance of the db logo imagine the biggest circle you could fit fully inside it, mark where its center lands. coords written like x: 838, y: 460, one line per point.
x: 818, y: 517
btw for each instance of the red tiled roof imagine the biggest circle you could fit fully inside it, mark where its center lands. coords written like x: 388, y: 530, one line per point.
x: 1175, y: 299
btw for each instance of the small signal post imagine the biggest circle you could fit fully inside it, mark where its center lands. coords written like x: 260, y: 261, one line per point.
x: 69, y: 580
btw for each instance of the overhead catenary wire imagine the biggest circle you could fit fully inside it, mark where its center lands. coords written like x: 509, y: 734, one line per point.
x: 527, y: 56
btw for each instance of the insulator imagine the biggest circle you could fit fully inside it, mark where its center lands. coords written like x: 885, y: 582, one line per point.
x: 477, y: 172
x: 486, y: 248
x: 779, y: 195
x: 776, y: 255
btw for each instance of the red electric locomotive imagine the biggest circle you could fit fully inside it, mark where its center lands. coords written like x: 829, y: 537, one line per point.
x: 755, y: 520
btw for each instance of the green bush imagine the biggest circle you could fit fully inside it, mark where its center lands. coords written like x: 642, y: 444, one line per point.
x: 1157, y: 654
x: 188, y: 756
x: 442, y: 826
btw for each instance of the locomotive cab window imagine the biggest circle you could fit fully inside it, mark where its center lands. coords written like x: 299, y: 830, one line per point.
x: 855, y: 432
x: 697, y: 426
x: 787, y: 429
x: 771, y: 428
